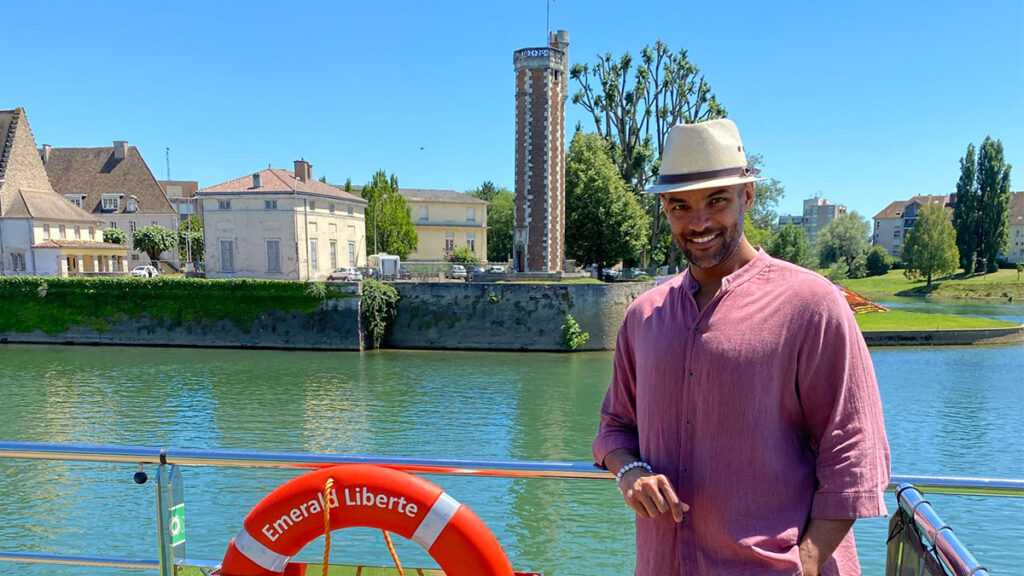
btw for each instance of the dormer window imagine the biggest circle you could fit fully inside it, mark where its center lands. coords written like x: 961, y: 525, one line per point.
x: 132, y: 205
x: 75, y: 199
x: 110, y: 202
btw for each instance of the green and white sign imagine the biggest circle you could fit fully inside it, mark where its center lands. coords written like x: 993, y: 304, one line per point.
x: 176, y: 524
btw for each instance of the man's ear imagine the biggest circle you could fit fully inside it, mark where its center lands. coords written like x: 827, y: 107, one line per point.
x: 748, y: 195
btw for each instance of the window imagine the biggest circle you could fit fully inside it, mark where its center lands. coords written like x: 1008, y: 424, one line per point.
x: 349, y: 210
x: 46, y: 230
x: 18, y: 262
x: 131, y: 227
x: 896, y: 232
x: 110, y: 202
x: 449, y: 242
x: 470, y: 214
x: 75, y: 199
x: 423, y: 213
x: 471, y: 242
x: 270, y: 204
x: 78, y: 232
x: 312, y: 253
x: 334, y: 254
x: 274, y: 256
x: 132, y: 205
x: 224, y: 204
x: 63, y: 231
x: 330, y: 208
x: 312, y: 206
x: 351, y: 253
x: 113, y: 224
x: 227, y: 256
x: 92, y: 233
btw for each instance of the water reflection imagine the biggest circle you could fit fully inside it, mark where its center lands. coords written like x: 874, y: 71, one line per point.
x: 948, y: 411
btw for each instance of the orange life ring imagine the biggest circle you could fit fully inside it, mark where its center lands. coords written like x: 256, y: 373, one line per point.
x: 363, y: 495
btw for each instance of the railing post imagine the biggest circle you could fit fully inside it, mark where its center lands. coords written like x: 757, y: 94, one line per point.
x: 170, y: 506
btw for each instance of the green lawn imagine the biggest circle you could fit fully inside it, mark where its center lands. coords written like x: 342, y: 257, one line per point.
x: 904, y: 320
x: 999, y: 284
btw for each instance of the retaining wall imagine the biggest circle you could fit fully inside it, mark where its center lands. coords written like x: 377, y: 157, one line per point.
x: 1009, y: 335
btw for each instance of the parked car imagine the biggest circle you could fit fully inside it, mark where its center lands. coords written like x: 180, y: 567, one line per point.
x: 145, y: 271
x: 404, y: 273
x: 457, y: 271
x: 475, y: 272
x: 610, y: 274
x: 369, y: 273
x: 496, y: 270
x: 345, y: 274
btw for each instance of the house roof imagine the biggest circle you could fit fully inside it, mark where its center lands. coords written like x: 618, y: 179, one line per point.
x: 93, y: 172
x: 92, y: 244
x: 1017, y: 208
x: 25, y: 188
x: 278, y: 181
x: 896, y: 209
x: 188, y: 187
x: 428, y: 195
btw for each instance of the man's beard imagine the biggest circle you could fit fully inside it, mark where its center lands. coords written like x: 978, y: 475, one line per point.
x: 729, y: 243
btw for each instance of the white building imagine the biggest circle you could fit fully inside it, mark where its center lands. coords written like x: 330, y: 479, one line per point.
x: 892, y: 224
x: 281, y: 225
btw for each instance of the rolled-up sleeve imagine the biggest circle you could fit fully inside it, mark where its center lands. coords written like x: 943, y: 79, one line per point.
x: 618, y: 428
x: 843, y: 412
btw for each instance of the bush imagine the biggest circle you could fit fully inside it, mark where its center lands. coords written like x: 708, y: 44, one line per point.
x: 877, y: 261
x: 377, y: 310
x: 463, y: 255
x: 572, y: 335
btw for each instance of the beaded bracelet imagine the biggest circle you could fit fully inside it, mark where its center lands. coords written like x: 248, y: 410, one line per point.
x: 627, y: 468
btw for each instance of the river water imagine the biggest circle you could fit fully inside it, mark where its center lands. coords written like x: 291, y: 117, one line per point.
x: 949, y: 411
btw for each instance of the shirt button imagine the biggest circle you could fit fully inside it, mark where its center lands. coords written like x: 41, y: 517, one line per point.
x: 691, y: 373
x: 685, y: 470
x: 683, y: 521
x: 688, y: 422
x: 696, y: 330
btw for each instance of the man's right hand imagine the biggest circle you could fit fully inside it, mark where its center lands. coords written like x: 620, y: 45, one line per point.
x: 651, y: 495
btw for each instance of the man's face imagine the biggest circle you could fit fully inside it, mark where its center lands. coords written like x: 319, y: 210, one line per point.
x: 708, y: 224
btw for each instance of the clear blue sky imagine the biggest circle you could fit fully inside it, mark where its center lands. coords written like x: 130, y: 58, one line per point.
x: 860, y: 102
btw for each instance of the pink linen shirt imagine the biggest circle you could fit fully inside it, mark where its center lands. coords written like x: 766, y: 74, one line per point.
x: 762, y: 410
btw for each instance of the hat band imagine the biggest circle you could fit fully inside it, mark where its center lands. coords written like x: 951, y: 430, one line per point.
x: 698, y: 176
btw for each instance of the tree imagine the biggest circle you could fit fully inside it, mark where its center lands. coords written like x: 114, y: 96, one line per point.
x: 114, y: 236
x: 843, y: 239
x: 463, y: 255
x: 993, y: 178
x: 930, y: 249
x: 500, y: 219
x: 877, y: 261
x: 604, y: 221
x: 501, y: 222
x: 190, y: 240
x: 965, y: 212
x: 388, y: 221
x: 767, y: 194
x: 154, y: 240
x: 756, y: 236
x: 982, y: 206
x: 633, y: 111
x: 793, y: 245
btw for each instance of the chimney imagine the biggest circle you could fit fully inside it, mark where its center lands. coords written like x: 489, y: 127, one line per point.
x: 256, y: 180
x: 120, y: 149
x: 46, y: 153
x: 303, y: 170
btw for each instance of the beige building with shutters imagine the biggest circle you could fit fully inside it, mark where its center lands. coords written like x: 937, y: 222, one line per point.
x: 282, y: 225
x: 446, y: 220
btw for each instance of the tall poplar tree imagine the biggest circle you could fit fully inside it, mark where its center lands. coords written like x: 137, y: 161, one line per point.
x: 993, y: 177
x: 982, y: 207
x: 965, y: 212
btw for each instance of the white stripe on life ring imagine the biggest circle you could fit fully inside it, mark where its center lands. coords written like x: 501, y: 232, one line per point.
x: 254, y: 550
x: 436, y: 520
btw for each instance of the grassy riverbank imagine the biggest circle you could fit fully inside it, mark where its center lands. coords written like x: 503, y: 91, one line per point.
x: 902, y: 320
x: 1002, y: 284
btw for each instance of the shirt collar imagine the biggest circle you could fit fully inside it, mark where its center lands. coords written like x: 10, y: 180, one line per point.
x: 746, y: 272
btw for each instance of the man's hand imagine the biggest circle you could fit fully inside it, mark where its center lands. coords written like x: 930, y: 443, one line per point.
x: 821, y: 538
x: 651, y: 495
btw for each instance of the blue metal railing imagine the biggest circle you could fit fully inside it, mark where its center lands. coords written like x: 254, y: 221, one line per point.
x: 952, y: 551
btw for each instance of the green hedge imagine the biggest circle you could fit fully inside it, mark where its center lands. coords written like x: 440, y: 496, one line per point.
x: 53, y: 305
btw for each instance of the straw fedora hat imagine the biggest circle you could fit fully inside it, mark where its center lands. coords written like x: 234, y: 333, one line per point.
x: 703, y: 155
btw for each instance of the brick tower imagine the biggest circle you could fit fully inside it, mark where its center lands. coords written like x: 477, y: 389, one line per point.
x: 542, y: 86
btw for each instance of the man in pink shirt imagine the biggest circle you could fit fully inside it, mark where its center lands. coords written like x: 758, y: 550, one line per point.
x: 743, y: 419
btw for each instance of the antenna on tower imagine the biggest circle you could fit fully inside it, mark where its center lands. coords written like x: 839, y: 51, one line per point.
x: 168, y: 163
x: 547, y: 23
